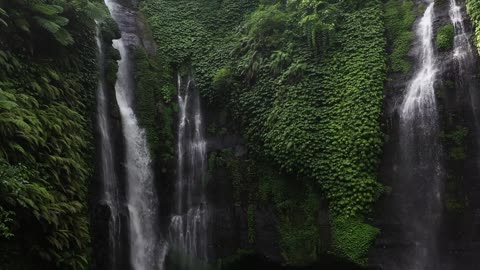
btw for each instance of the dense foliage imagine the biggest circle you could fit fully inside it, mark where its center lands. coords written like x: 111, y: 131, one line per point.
x: 444, y: 37
x: 303, y: 80
x: 306, y: 89
x: 399, y: 18
x: 47, y: 81
x: 473, y: 9
x: 155, y: 104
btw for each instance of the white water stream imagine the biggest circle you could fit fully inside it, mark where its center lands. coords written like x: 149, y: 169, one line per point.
x: 147, y: 250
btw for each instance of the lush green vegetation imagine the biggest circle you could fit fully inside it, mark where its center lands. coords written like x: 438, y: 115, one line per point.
x: 306, y: 89
x: 399, y: 18
x: 473, y: 9
x: 444, y: 37
x: 302, y: 79
x: 352, y: 238
x: 156, y: 108
x: 47, y: 81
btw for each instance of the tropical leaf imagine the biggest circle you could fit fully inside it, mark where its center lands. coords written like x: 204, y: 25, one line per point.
x: 64, y: 37
x: 48, y: 25
x: 47, y: 9
x: 62, y: 21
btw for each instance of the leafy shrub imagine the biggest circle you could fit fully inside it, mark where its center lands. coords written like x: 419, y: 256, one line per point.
x: 46, y: 100
x: 399, y: 19
x: 444, y: 37
x: 352, y: 238
x: 473, y: 9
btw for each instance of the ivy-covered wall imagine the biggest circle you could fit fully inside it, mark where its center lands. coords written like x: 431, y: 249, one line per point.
x: 306, y: 97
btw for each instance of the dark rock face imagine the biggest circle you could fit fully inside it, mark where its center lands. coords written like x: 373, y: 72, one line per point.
x: 256, y: 261
x: 462, y: 242
x: 99, y: 211
x: 228, y: 225
x: 458, y: 237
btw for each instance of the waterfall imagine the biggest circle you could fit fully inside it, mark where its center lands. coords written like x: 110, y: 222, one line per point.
x: 464, y: 56
x: 188, y: 224
x: 110, y: 195
x: 463, y: 51
x: 147, y: 251
x: 419, y: 102
x: 419, y: 166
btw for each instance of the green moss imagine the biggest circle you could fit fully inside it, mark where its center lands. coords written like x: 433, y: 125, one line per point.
x: 444, y: 37
x: 352, y: 238
x: 243, y: 175
x: 457, y: 153
x: 455, y: 199
x: 399, y: 19
x: 473, y: 9
x: 297, y: 205
x: 456, y: 142
x: 458, y: 135
x: 251, y: 220
x: 155, y: 108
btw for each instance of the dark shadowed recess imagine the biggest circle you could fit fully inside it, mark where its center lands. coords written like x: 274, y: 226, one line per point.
x: 256, y: 261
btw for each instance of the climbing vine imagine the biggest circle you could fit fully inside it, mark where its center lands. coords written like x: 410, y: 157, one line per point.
x: 302, y: 83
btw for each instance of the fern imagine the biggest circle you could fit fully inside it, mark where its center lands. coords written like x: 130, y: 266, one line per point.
x: 47, y: 9
x: 49, y: 25
x: 64, y: 37
x: 43, y: 124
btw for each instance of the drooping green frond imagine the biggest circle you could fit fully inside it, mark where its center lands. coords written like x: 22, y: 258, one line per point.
x: 64, y: 37
x: 47, y: 9
x: 49, y: 25
x: 44, y: 124
x: 62, y: 21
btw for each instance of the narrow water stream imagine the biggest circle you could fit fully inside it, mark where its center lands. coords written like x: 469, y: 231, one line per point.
x: 110, y: 193
x: 188, y: 228
x: 147, y: 250
x: 420, y: 155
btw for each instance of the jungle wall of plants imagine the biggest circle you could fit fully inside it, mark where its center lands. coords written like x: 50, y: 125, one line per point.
x: 473, y: 9
x: 304, y: 82
x: 302, y: 79
x: 48, y: 78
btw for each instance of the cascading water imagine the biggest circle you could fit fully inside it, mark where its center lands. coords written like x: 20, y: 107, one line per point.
x: 188, y: 230
x: 419, y: 165
x: 110, y: 195
x: 465, y: 57
x: 419, y: 104
x: 147, y: 251
x: 462, y: 47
